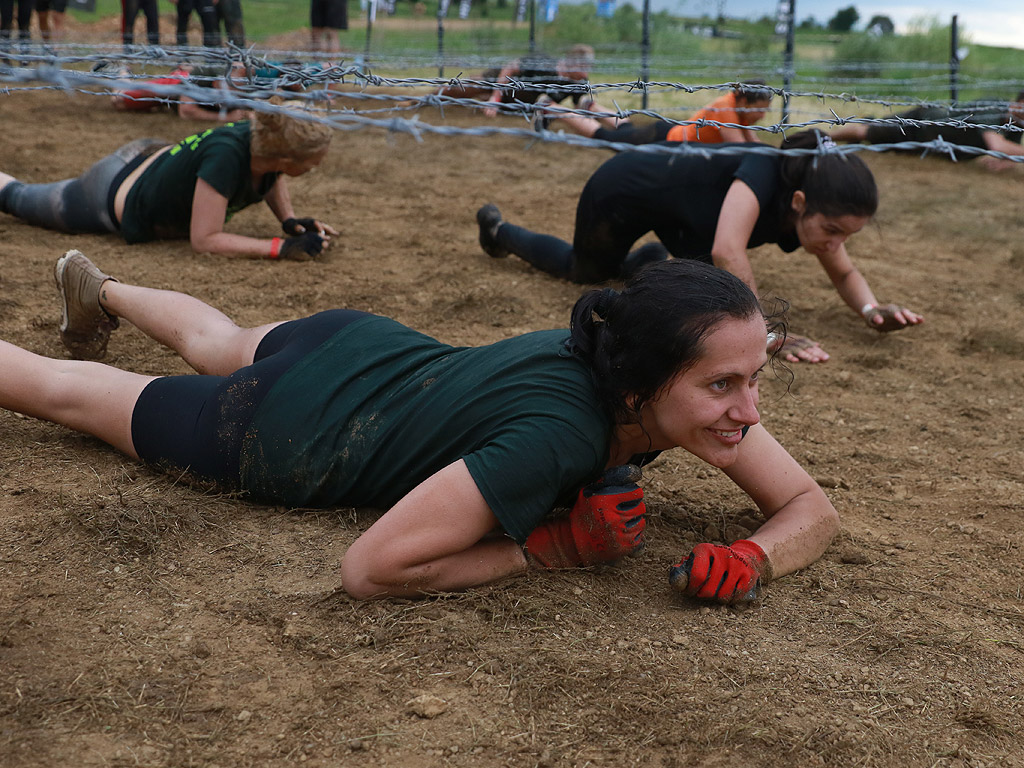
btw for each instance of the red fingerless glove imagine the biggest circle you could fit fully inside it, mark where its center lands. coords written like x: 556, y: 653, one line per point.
x: 726, y: 574
x: 605, y: 524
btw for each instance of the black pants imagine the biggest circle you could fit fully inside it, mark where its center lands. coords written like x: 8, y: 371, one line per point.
x: 600, y: 250
x: 7, y: 17
x: 230, y: 12
x: 207, y: 13
x: 130, y: 11
x: 635, y: 134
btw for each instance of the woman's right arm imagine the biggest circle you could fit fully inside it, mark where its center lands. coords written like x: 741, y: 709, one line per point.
x: 435, y: 539
x: 206, y: 231
x: 736, y: 221
x: 207, y: 235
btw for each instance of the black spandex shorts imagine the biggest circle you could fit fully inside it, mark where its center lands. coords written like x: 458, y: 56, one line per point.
x: 635, y: 134
x: 197, y: 423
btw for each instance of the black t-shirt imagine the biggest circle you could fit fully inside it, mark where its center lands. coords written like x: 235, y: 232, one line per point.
x: 680, y: 197
x: 159, y: 204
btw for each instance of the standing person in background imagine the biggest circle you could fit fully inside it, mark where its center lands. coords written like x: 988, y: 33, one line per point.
x: 230, y: 12
x: 51, y: 19
x: 207, y: 19
x: 326, y: 19
x: 130, y: 11
x: 7, y: 17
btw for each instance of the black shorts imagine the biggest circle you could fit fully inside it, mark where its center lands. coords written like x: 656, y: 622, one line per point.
x: 647, y: 133
x: 328, y: 14
x: 197, y: 423
x: 57, y: 6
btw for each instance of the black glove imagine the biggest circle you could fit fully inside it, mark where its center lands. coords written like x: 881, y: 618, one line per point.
x: 303, y: 247
x: 295, y: 226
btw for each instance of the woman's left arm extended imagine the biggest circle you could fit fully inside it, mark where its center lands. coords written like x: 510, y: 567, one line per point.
x: 801, y: 520
x: 801, y: 523
x: 857, y: 294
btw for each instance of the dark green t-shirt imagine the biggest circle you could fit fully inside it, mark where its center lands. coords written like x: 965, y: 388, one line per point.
x: 379, y: 408
x: 159, y: 205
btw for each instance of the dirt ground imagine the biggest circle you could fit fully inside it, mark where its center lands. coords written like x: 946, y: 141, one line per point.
x: 144, y: 622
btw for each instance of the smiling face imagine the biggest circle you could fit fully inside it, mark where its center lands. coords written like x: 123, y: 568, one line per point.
x: 820, y: 234
x: 705, y: 408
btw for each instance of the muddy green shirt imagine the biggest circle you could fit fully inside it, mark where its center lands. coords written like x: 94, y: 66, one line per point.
x: 159, y: 204
x: 378, y: 408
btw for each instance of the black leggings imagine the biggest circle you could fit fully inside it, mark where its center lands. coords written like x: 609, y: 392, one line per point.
x: 130, y: 10
x: 635, y: 134
x: 600, y: 248
x: 82, y: 205
x: 207, y: 18
x: 7, y: 18
x: 197, y: 423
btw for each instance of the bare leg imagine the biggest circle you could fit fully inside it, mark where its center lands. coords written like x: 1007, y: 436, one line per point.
x: 854, y: 133
x: 88, y: 397
x: 206, y: 338
x: 584, y: 126
x: 607, y: 122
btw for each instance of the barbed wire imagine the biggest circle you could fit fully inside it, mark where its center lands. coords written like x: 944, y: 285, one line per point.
x: 254, y: 93
x: 296, y: 64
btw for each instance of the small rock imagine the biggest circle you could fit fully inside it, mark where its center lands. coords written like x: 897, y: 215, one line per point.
x: 426, y: 706
x: 244, y: 716
x: 852, y: 556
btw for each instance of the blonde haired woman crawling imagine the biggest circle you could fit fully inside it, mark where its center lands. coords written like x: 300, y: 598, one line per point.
x: 151, y: 190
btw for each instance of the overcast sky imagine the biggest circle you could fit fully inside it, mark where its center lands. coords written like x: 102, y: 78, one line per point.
x: 993, y: 22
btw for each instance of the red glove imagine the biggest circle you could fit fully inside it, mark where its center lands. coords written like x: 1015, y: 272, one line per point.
x: 606, y: 523
x: 716, y: 572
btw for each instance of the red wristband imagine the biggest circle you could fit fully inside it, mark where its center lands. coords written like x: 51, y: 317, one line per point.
x: 275, y: 247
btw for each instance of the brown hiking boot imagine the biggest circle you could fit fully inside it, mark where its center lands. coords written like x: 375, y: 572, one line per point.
x: 84, y: 325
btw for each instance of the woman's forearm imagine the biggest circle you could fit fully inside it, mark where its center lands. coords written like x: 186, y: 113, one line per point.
x: 799, y: 533
x: 230, y: 244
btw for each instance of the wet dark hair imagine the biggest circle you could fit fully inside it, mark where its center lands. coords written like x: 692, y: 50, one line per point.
x: 637, y: 341
x: 834, y: 184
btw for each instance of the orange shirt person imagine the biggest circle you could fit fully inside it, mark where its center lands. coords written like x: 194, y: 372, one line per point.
x: 743, y: 106
x: 734, y: 107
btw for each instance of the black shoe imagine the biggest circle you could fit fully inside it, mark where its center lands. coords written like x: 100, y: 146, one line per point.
x: 489, y: 220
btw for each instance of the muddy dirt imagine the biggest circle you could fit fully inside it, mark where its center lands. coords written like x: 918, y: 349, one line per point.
x: 146, y: 622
